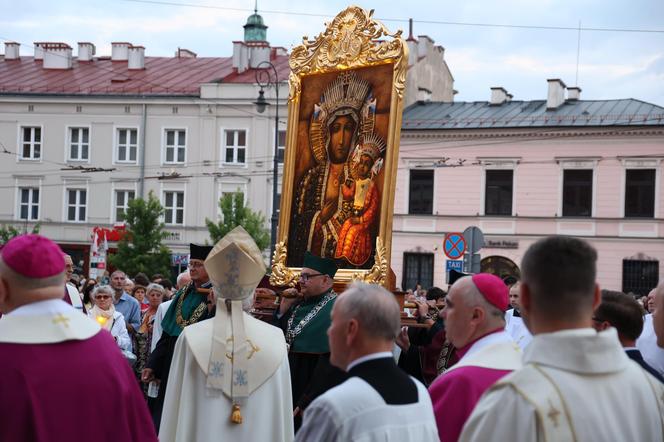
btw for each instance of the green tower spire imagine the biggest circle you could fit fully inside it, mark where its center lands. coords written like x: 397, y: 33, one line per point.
x: 255, y: 29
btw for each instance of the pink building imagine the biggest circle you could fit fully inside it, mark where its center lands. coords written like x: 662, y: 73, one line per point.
x: 521, y: 170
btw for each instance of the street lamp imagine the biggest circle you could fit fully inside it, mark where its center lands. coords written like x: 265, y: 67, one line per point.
x: 264, y: 77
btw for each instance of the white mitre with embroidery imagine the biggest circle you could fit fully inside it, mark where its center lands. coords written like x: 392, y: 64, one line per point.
x: 244, y: 352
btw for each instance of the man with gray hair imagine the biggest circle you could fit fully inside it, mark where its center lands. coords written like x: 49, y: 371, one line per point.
x: 378, y: 401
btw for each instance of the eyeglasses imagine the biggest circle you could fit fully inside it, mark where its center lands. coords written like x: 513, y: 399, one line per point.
x: 102, y: 297
x: 307, y: 276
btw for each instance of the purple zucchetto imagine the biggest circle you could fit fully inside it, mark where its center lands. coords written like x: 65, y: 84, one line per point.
x: 33, y: 256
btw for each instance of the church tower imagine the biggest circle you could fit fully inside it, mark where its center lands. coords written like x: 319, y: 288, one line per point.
x: 255, y: 29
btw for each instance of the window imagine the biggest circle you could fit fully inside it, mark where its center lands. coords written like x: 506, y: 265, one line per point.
x: 31, y: 141
x: 122, y: 198
x: 640, y: 193
x: 417, y: 269
x: 281, y: 146
x: 639, y: 276
x: 420, y: 200
x: 174, y: 208
x: 498, y: 192
x: 235, y: 146
x: 577, y: 192
x: 28, y: 203
x: 127, y: 145
x: 175, y: 146
x: 237, y: 198
x: 76, y: 205
x: 79, y: 143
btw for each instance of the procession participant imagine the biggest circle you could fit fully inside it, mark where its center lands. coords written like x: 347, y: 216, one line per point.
x: 576, y: 383
x: 305, y: 323
x: 72, y: 296
x: 475, y: 325
x: 124, y: 302
x: 652, y: 353
x: 61, y: 376
x: 514, y: 325
x: 188, y: 307
x: 658, y: 315
x: 229, y: 378
x: 623, y: 313
x: 182, y: 280
x: 108, y: 317
x: 378, y: 401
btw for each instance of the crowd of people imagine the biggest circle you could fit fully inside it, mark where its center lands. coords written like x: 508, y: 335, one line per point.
x: 549, y: 357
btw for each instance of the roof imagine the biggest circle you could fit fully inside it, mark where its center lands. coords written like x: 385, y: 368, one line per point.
x: 519, y: 114
x: 162, y: 76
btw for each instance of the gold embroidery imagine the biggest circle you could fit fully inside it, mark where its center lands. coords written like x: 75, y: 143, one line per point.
x: 254, y: 349
x: 61, y: 319
x: 553, y: 414
x: 195, y: 315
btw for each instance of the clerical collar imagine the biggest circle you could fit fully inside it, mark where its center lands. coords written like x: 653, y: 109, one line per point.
x: 461, y: 352
x: 369, y: 357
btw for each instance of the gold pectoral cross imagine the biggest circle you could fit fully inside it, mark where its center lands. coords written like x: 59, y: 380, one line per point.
x: 61, y: 319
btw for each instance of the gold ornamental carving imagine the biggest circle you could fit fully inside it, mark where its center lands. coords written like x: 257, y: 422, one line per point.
x: 379, y: 271
x: 353, y: 39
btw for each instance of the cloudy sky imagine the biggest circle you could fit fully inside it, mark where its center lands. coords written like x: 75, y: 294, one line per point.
x: 519, y: 57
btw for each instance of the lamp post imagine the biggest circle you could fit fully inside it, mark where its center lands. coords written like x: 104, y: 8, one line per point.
x: 264, y: 77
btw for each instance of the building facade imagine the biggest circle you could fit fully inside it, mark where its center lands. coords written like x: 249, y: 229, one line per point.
x: 84, y: 134
x: 522, y: 170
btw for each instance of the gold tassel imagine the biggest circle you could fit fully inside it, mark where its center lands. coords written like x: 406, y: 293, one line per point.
x: 236, y: 417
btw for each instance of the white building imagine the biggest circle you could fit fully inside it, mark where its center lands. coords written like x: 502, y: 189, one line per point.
x: 85, y: 134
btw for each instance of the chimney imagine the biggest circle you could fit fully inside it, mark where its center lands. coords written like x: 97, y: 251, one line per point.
x: 57, y: 56
x: 424, y: 45
x: 136, y: 57
x: 573, y: 93
x: 556, y: 95
x: 12, y: 50
x: 423, y: 95
x: 258, y: 53
x: 185, y: 53
x: 499, y: 96
x: 240, y: 56
x: 39, y: 51
x: 86, y: 51
x: 120, y: 51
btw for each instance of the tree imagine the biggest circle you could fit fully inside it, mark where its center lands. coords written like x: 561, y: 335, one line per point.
x: 8, y: 232
x: 234, y: 213
x: 141, y: 248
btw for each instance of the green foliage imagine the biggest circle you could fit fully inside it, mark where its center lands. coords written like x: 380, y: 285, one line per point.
x: 235, y: 213
x: 8, y: 232
x: 141, y: 249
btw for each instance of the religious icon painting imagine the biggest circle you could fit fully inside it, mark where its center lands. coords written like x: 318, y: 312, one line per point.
x: 345, y: 106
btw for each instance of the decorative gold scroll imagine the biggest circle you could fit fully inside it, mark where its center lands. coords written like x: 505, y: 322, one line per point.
x: 354, y: 39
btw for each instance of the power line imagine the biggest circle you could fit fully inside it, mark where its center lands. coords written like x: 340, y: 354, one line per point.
x: 403, y: 20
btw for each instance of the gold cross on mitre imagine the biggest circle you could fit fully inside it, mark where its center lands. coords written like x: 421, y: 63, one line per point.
x: 61, y: 319
x: 553, y: 414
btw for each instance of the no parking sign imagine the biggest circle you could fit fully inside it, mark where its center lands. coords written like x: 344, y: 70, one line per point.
x: 454, y: 245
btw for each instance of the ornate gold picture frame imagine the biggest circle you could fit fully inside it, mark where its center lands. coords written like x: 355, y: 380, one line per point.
x: 344, y: 123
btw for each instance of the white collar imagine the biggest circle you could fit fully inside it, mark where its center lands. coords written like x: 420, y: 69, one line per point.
x: 369, y: 357
x: 48, y: 306
x: 492, y: 338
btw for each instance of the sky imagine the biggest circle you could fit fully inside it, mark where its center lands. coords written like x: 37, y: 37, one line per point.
x: 611, y: 64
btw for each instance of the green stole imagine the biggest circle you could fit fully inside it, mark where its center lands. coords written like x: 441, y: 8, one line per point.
x: 192, y: 300
x: 313, y: 337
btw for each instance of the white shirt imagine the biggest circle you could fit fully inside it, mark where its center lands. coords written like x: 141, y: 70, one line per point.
x: 516, y: 328
x: 647, y: 345
x: 119, y: 331
x: 156, y: 326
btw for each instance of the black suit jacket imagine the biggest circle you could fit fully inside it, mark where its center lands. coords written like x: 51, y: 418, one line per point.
x: 635, y: 355
x: 384, y: 376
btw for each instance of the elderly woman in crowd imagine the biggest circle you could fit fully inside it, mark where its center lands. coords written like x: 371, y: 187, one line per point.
x: 143, y: 336
x: 104, y: 313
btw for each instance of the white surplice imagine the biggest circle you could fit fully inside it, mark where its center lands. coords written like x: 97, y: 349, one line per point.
x: 354, y: 411
x: 575, y: 385
x: 647, y: 345
x: 194, y: 413
x: 516, y: 328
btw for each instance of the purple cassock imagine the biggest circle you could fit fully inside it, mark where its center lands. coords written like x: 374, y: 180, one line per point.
x: 75, y: 390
